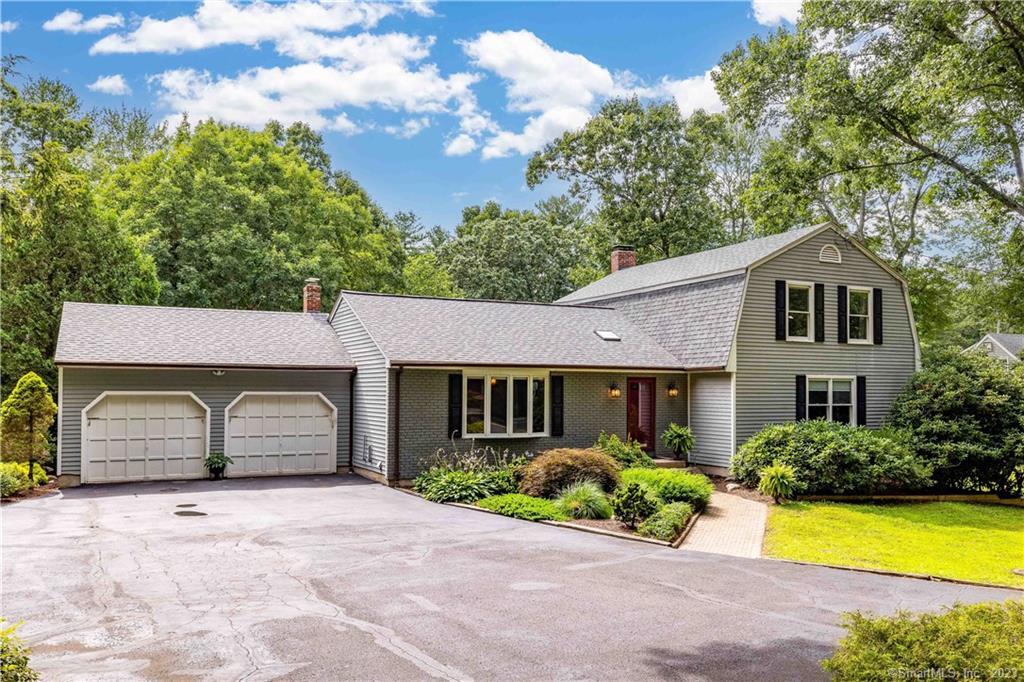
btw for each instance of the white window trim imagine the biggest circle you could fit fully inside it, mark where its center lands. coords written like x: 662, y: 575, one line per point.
x: 870, y: 340
x: 810, y: 312
x: 830, y: 379
x: 510, y: 374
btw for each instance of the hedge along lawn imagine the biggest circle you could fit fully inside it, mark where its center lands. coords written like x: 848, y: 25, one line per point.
x: 976, y: 542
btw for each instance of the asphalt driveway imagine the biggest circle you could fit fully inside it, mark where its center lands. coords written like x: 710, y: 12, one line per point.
x: 336, y: 578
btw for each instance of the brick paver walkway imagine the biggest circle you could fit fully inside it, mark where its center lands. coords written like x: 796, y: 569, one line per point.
x: 730, y: 525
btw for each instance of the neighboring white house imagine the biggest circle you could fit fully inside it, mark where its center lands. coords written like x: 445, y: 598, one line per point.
x: 1005, y: 347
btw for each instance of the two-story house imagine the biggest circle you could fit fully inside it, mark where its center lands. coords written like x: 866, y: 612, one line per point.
x: 803, y: 325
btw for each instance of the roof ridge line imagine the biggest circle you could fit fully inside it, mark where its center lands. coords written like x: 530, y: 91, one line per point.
x: 552, y: 304
x: 178, y: 307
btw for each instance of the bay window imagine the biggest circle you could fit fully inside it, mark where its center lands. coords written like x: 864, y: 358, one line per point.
x: 505, y: 404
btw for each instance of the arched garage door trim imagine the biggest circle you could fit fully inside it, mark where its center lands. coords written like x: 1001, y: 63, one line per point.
x: 84, y: 451
x: 333, y: 446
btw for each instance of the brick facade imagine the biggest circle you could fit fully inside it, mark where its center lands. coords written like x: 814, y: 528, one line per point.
x: 588, y: 411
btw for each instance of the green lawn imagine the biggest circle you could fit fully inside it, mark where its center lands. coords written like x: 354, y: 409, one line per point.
x: 948, y: 539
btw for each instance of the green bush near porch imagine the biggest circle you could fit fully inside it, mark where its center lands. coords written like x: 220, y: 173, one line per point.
x: 673, y: 485
x: 667, y: 522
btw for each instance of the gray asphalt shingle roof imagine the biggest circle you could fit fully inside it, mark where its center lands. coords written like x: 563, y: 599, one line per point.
x: 420, y: 330
x: 694, y: 322
x: 1014, y: 343
x: 104, y: 334
x: 693, y: 266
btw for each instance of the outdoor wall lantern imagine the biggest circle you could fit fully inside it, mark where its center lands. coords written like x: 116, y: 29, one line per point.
x: 613, y: 390
x: 218, y: 372
x: 673, y: 390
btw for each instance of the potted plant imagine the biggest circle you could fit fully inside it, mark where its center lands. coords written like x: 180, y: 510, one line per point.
x: 679, y: 439
x: 216, y: 462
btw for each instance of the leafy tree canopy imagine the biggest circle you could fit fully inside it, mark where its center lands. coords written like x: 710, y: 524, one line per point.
x: 234, y: 218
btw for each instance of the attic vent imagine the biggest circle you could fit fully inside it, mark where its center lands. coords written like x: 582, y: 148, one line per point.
x: 607, y: 335
x: 830, y: 254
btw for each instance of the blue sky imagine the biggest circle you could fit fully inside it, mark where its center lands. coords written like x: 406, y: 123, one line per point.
x: 431, y: 107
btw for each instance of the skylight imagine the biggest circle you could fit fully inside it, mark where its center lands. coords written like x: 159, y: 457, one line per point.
x: 607, y: 335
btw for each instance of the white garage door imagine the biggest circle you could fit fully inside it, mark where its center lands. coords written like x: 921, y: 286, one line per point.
x: 281, y: 433
x: 138, y: 436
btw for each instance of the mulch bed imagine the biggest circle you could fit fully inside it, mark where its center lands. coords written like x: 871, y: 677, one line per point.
x: 744, y: 492
x: 613, y: 525
x: 38, y: 491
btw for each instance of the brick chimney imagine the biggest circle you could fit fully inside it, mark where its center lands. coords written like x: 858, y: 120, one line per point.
x: 623, y: 257
x: 311, y: 296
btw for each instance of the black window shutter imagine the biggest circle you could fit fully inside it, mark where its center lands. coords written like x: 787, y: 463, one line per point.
x: 780, y: 310
x: 819, y: 312
x: 841, y: 317
x: 454, y: 405
x: 801, y: 397
x: 862, y: 401
x: 877, y: 312
x: 557, y: 406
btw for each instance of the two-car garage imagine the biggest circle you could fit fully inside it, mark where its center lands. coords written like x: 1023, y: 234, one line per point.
x: 152, y: 435
x: 147, y: 393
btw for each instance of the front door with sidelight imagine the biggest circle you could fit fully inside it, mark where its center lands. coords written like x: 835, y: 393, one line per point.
x: 640, y: 412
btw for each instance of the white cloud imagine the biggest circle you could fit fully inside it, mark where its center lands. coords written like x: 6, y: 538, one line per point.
x: 70, y: 21
x: 309, y: 92
x: 410, y: 127
x: 690, y: 94
x: 8, y: 26
x: 344, y: 125
x: 363, y: 48
x: 220, y: 22
x: 774, y: 12
x: 538, y: 77
x: 460, y: 145
x: 539, y: 130
x: 110, y: 85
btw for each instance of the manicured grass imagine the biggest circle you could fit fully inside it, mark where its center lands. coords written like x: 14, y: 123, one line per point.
x: 947, y: 539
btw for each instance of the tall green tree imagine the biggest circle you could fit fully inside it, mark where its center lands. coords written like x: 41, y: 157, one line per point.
x: 648, y: 171
x: 59, y: 245
x: 26, y: 416
x: 40, y: 111
x: 509, y: 255
x: 235, y: 218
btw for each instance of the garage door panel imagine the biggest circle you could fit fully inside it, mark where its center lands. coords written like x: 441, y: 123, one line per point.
x: 144, y: 436
x: 280, y: 434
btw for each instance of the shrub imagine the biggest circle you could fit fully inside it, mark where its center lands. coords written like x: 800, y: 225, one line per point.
x: 523, y: 507
x: 584, y: 500
x: 628, y: 453
x: 553, y: 470
x: 673, y: 485
x: 778, y: 481
x: 678, y: 438
x: 14, y: 478
x: 832, y: 458
x: 986, y: 639
x: 667, y: 522
x: 467, y: 476
x: 25, y: 419
x: 966, y: 414
x: 634, y: 502
x: 438, y: 485
x: 14, y: 657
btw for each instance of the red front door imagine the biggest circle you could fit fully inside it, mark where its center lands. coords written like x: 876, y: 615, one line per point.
x: 640, y: 412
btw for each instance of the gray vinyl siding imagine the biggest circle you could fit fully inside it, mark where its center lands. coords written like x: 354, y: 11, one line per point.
x: 588, y: 411
x: 80, y: 386
x: 766, y: 368
x: 711, y: 418
x: 370, y: 391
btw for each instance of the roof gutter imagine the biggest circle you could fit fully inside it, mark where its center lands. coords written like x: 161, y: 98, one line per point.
x: 418, y: 364
x: 150, y: 365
